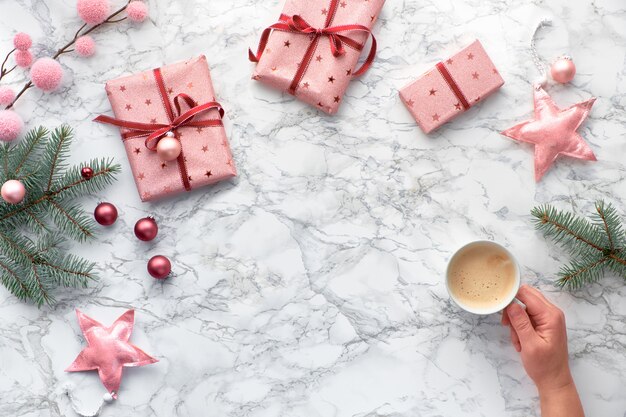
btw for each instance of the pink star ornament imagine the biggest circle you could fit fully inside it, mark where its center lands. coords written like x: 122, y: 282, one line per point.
x: 553, y: 131
x: 108, y: 350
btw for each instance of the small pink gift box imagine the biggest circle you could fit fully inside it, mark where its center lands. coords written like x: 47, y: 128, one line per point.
x: 174, y: 100
x: 451, y: 87
x: 312, y: 51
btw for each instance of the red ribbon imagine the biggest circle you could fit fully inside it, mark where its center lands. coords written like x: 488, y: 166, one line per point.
x: 157, y: 131
x: 296, y: 24
x: 453, y: 85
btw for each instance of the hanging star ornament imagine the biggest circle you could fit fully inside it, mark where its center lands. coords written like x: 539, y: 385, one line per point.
x: 108, y: 350
x: 553, y: 131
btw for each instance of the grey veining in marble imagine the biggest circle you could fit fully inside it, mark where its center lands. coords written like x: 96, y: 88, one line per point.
x: 312, y: 284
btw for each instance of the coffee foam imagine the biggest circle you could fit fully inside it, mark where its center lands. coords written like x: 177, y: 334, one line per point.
x: 482, y: 276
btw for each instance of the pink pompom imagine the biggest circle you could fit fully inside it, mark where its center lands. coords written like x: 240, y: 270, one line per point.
x: 7, y: 95
x: 23, y: 58
x: 10, y: 125
x: 93, y: 11
x: 22, y: 41
x: 46, y: 74
x: 137, y: 11
x: 85, y: 46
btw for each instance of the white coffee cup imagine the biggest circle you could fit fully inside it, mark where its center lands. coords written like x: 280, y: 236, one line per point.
x: 500, y: 305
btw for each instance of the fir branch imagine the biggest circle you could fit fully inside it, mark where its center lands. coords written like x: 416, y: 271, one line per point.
x: 32, y: 258
x: 596, y: 245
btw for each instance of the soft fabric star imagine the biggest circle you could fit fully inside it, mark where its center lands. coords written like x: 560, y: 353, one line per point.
x: 108, y: 350
x: 553, y: 131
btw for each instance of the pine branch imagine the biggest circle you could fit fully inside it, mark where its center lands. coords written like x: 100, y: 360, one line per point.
x: 596, y: 245
x: 32, y: 258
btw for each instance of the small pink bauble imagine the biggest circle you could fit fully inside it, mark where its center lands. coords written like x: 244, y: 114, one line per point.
x: 563, y: 70
x: 22, y: 41
x: 46, y: 74
x: 168, y: 148
x: 13, y: 192
x: 7, y: 95
x: 159, y: 267
x: 105, y: 214
x: 93, y: 11
x: 85, y: 46
x: 23, y: 59
x: 11, y: 125
x: 137, y: 11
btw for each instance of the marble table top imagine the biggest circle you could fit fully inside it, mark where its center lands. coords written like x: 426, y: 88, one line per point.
x: 312, y: 284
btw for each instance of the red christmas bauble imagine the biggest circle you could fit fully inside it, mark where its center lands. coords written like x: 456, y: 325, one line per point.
x: 86, y: 173
x: 146, y: 229
x: 159, y: 267
x: 105, y: 214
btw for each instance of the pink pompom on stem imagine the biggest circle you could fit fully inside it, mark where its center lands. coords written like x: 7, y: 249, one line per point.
x: 23, y: 59
x: 93, y: 11
x: 7, y: 95
x: 22, y: 41
x: 85, y: 46
x: 11, y: 125
x: 46, y: 74
x: 137, y: 11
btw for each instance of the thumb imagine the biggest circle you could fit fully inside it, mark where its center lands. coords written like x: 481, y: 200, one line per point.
x: 521, y: 323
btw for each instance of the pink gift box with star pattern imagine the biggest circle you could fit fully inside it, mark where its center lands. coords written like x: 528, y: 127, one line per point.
x: 146, y: 103
x: 451, y: 87
x: 312, y: 51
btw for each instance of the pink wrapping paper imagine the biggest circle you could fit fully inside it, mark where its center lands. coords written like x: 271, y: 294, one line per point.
x: 432, y: 100
x: 206, y: 151
x: 327, y: 77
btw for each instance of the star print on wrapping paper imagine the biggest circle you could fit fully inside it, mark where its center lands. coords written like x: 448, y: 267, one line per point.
x: 410, y: 103
x: 305, y: 85
x: 324, y: 11
x: 457, y: 106
x: 205, y: 148
x: 153, y: 121
x: 348, y: 72
x: 287, y: 44
x: 208, y: 174
x: 470, y: 56
x: 170, y: 90
x: 122, y: 88
x: 163, y: 165
x: 336, y: 98
x: 449, y: 61
x: 129, y: 107
x: 475, y: 75
x: 137, y: 151
x: 553, y: 131
x: 108, y: 350
x: 318, y: 58
x: 343, y: 4
x: 435, y: 117
x: 432, y: 92
x: 199, y: 129
x: 190, y: 85
x: 331, y: 79
x: 148, y: 102
x: 141, y: 176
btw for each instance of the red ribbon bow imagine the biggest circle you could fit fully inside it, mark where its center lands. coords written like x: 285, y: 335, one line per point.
x: 157, y: 131
x: 296, y: 24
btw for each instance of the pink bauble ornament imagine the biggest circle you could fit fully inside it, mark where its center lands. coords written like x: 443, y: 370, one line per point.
x: 23, y: 59
x: 563, y: 70
x: 93, y: 11
x: 46, y: 74
x: 11, y: 125
x: 146, y: 229
x: 22, y: 41
x: 159, y: 267
x: 7, y: 95
x: 137, y: 11
x: 105, y: 214
x: 13, y: 191
x: 85, y: 46
x: 168, y: 148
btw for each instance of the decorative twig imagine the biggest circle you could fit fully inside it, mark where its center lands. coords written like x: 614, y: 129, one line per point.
x: 4, y: 71
x: 66, y: 47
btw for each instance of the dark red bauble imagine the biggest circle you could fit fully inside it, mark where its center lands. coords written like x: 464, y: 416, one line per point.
x: 146, y: 229
x: 105, y: 214
x: 159, y: 267
x: 86, y: 173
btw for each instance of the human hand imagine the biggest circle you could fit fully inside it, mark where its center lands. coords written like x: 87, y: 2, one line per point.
x: 539, y: 334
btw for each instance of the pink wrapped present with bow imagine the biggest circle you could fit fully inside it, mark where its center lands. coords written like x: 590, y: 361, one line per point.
x: 451, y: 87
x: 172, y: 128
x: 313, y: 49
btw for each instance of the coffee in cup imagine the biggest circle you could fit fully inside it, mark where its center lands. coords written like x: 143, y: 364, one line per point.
x: 483, y: 277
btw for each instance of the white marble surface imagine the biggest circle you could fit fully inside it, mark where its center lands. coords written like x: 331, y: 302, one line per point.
x: 312, y: 284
